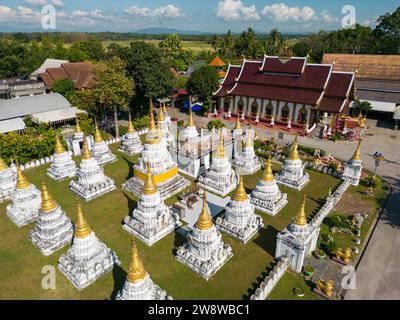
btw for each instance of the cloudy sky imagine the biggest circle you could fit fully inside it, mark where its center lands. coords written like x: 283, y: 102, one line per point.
x: 201, y: 15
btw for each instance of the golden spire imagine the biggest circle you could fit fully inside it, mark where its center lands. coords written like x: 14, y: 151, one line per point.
x: 357, y: 154
x: 131, y: 128
x: 149, y: 187
x: 268, y: 175
x: 164, y: 108
x: 161, y: 117
x: 237, y: 125
x: 3, y: 165
x: 294, y: 152
x: 22, y: 181
x: 136, y: 272
x: 152, y: 124
x: 86, y: 153
x: 191, y: 121
x: 249, y: 142
x: 221, y: 147
x: 240, y: 194
x: 48, y: 203
x: 97, y: 136
x: 204, y: 222
x: 82, y: 228
x: 301, y: 219
x: 59, y: 149
x: 78, y: 127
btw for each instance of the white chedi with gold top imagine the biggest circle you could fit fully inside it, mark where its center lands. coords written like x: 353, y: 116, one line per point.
x: 292, y: 174
x: 88, y: 259
x: 165, y: 123
x: 8, y: 179
x: 245, y: 159
x: 204, y: 252
x: 190, y: 131
x: 91, y: 181
x: 152, y: 219
x: 26, y: 201
x: 220, y: 178
x: 138, y: 284
x: 239, y: 220
x: 131, y: 143
x: 62, y: 166
x: 53, y: 228
x: 353, y: 168
x: 267, y: 197
x: 100, y: 150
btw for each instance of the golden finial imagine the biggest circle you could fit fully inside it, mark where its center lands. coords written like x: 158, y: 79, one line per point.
x: 78, y: 127
x: 191, y: 121
x: 221, y: 147
x: 301, y: 219
x: 136, y: 272
x: 22, y: 181
x: 59, y: 149
x: 165, y: 108
x: 240, y: 194
x: 294, y: 152
x: 131, y: 128
x: 97, y: 136
x: 86, y: 153
x: 357, y: 154
x: 152, y: 124
x: 249, y: 142
x: 237, y: 125
x: 3, y: 165
x: 204, y: 222
x: 161, y: 117
x: 149, y: 187
x: 268, y: 175
x: 48, y: 203
x: 82, y: 228
x: 160, y: 133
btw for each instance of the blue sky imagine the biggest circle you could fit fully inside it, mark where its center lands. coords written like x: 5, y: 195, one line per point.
x: 202, y: 15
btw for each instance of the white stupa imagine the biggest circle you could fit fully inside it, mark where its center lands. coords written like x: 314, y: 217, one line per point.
x: 138, y: 284
x: 190, y: 131
x: 53, y: 229
x: 204, y: 252
x: 165, y: 123
x: 220, y: 178
x: 131, y: 143
x: 292, y: 174
x: 88, y: 259
x: 8, y: 179
x: 91, y: 182
x: 245, y: 160
x: 152, y: 219
x: 353, y: 168
x: 26, y: 201
x: 239, y: 219
x: 266, y: 196
x: 62, y: 166
x: 100, y: 150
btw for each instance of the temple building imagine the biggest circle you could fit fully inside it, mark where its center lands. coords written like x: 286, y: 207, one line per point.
x: 292, y: 174
x: 100, y: 150
x: 91, y: 181
x: 239, y: 220
x: 204, y: 252
x: 8, y: 180
x: 245, y: 160
x: 152, y: 219
x: 53, y: 229
x: 287, y: 91
x: 131, y: 143
x: 353, y: 168
x: 266, y: 196
x: 220, y: 178
x: 163, y: 169
x: 88, y: 259
x: 138, y: 284
x: 26, y: 201
x: 62, y: 166
x: 298, y: 240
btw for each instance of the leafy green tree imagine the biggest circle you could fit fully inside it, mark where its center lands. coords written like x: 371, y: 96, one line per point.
x: 217, y: 124
x: 203, y: 82
x: 362, y: 106
x: 63, y: 86
x: 387, y: 33
x: 171, y: 46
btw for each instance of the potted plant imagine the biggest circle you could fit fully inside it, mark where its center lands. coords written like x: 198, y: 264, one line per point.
x: 299, y: 292
x: 309, y: 271
x: 320, y: 254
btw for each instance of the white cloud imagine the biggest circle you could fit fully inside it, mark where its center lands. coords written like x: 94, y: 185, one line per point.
x: 37, y: 2
x: 280, y: 12
x: 168, y: 11
x: 327, y: 18
x: 235, y: 10
x: 96, y: 14
x: 57, y: 3
x: 25, y: 11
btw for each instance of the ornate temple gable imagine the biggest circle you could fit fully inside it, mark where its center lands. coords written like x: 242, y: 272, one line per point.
x: 229, y: 80
x: 277, y: 65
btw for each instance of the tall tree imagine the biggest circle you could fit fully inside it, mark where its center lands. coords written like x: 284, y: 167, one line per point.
x: 203, y: 82
x: 171, y: 46
x: 388, y: 33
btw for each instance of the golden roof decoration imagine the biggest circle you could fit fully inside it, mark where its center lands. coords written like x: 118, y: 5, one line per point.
x: 82, y: 228
x: 136, y: 271
x: 48, y: 203
x: 240, y: 194
x: 86, y: 153
x: 161, y: 117
x: 152, y: 124
x: 357, y: 153
x: 191, y: 123
x: 131, y: 128
x: 97, y: 136
x: 268, y: 175
x: 149, y: 187
x: 301, y: 219
x: 294, y: 152
x: 204, y: 222
x: 3, y: 165
x: 238, y: 125
x: 78, y: 127
x: 22, y: 181
x: 59, y: 148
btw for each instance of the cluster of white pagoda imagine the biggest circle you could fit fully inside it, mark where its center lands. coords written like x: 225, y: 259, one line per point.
x: 155, y: 179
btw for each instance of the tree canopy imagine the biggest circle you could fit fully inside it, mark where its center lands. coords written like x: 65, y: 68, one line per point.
x: 203, y: 82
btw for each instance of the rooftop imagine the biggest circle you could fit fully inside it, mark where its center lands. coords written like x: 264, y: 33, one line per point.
x: 217, y: 62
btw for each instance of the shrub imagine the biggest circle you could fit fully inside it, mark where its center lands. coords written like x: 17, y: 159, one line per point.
x: 330, y: 247
x: 337, y: 221
x: 217, y: 124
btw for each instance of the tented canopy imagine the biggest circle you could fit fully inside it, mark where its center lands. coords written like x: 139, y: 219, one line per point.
x: 56, y: 115
x: 11, y: 125
x: 383, y: 106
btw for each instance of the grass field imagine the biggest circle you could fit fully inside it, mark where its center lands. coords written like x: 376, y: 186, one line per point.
x: 21, y: 263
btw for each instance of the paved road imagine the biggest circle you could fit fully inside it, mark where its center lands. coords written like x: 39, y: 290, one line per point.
x: 378, y: 275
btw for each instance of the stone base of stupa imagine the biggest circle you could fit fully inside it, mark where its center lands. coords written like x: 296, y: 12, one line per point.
x: 5, y: 194
x: 61, y: 174
x: 131, y: 146
x: 144, y: 290
x: 205, y: 268
x: 298, y: 184
x: 218, y: 188
x: 246, y: 166
x: 25, y: 206
x: 243, y: 234
x: 167, y: 189
x: 150, y: 237
x: 91, y: 192
x: 269, y: 207
x: 22, y: 218
x: 105, y: 158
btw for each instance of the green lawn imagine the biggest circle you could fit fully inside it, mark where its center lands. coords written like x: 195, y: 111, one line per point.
x: 21, y: 263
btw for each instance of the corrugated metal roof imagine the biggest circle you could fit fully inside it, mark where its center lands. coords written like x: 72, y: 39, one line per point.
x: 25, y: 106
x: 48, y: 63
x: 56, y: 115
x: 11, y: 125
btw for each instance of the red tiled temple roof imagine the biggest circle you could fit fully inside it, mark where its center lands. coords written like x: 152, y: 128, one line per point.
x: 229, y: 81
